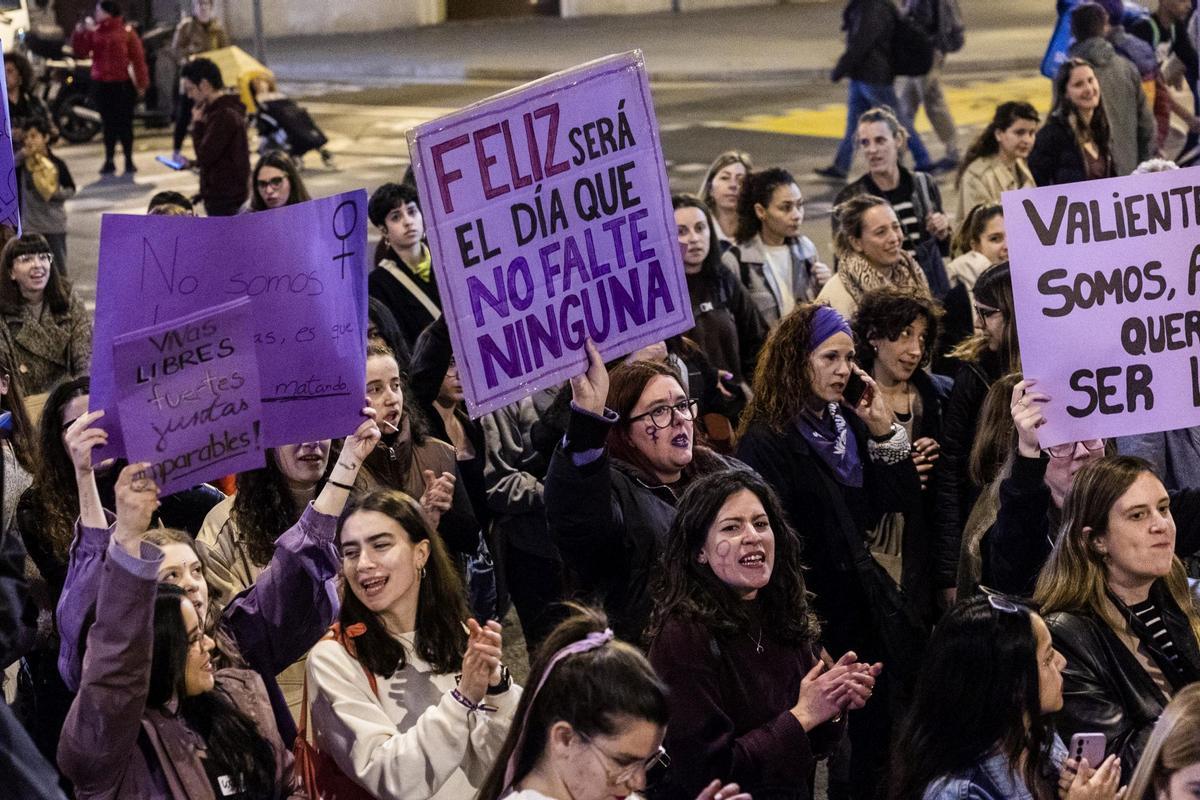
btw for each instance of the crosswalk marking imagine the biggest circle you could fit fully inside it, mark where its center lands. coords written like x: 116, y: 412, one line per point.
x: 970, y: 105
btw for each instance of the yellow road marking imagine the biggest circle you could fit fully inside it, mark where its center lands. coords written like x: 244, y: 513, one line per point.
x: 970, y: 105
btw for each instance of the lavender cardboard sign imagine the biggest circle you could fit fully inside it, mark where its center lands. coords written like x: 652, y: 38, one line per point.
x: 10, y: 212
x: 550, y: 222
x: 1105, y: 278
x: 303, y: 269
x: 189, y: 398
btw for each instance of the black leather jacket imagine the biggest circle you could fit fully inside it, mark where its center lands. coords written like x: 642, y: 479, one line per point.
x: 1106, y: 689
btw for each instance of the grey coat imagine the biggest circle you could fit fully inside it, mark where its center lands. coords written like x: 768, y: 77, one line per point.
x: 1130, y: 118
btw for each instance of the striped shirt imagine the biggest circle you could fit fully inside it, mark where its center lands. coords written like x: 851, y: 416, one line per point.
x: 1148, y: 614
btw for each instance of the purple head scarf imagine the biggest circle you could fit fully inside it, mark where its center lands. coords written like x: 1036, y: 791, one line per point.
x: 825, y: 323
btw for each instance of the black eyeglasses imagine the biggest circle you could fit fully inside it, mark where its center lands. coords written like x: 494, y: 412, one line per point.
x: 1067, y: 450
x: 985, y: 311
x: 664, y: 416
x: 273, y: 183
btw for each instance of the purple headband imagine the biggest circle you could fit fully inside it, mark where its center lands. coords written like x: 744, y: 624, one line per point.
x: 825, y: 323
x: 592, y: 641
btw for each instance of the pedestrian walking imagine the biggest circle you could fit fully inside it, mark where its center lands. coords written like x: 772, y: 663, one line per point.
x: 198, y: 33
x: 219, y: 137
x: 116, y: 52
x: 867, y: 62
x: 943, y: 19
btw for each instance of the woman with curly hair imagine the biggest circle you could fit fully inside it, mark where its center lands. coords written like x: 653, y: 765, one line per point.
x: 736, y: 642
x: 895, y: 334
x: 837, y: 467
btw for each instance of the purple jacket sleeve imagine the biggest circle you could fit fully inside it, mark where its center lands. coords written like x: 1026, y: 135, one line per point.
x: 102, y: 726
x: 79, y: 595
x: 294, y: 600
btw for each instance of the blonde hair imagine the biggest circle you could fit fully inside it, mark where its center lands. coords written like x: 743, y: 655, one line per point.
x: 1173, y: 745
x: 1075, y: 578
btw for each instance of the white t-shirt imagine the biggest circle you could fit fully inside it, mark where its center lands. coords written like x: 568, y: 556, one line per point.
x: 779, y: 261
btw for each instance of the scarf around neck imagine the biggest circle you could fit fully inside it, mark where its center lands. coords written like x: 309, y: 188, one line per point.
x: 830, y: 437
x: 859, y: 276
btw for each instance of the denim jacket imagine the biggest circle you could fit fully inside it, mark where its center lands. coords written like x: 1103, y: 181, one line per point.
x: 990, y: 779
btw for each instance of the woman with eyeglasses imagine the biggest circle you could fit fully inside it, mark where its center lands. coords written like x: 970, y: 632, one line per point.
x: 45, y: 329
x: 1170, y: 765
x: 981, y: 723
x: 1118, y: 602
x: 779, y: 265
x: 735, y: 639
x: 276, y: 183
x: 986, y: 356
x: 720, y: 189
x: 614, y: 481
x: 1016, y: 546
x: 837, y: 464
x: 409, y: 698
x: 591, y: 725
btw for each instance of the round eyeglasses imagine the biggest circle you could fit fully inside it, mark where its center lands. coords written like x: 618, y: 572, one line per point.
x: 664, y: 416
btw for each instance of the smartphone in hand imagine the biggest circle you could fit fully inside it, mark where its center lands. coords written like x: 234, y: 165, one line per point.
x: 856, y: 387
x: 1089, y: 746
x: 175, y: 165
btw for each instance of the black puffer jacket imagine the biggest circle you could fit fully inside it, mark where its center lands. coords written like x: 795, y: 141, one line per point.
x: 1105, y: 689
x: 610, y: 520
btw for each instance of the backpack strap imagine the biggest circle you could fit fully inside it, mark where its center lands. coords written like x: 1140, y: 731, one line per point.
x: 343, y: 638
x: 411, y: 285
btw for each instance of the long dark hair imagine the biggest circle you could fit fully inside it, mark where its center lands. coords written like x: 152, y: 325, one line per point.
x: 689, y: 589
x: 440, y: 639
x: 58, y: 290
x: 978, y: 691
x: 782, y: 377
x: 263, y: 507
x: 757, y: 190
x: 986, y: 144
x: 711, y: 268
x: 233, y: 745
x: 592, y: 691
x: 23, y: 434
x: 298, y: 192
x: 1097, y: 130
x: 994, y: 288
x: 55, y: 492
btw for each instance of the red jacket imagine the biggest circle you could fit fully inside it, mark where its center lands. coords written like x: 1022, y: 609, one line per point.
x: 113, y: 48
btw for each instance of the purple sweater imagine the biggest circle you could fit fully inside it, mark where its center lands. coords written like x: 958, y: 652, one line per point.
x: 272, y: 623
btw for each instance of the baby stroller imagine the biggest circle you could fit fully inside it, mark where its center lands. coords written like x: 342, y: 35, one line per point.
x: 283, y: 125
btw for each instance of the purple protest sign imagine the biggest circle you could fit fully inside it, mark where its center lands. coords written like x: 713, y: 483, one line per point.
x: 303, y: 268
x: 549, y: 220
x: 10, y: 212
x: 1104, y: 279
x: 189, y: 397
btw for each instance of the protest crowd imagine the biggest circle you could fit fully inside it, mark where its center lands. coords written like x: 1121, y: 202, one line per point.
x: 817, y: 528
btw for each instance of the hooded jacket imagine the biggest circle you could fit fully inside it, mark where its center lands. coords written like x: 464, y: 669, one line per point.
x: 1130, y: 118
x: 222, y: 151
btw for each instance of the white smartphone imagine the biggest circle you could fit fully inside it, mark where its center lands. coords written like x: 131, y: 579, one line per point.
x: 1089, y: 746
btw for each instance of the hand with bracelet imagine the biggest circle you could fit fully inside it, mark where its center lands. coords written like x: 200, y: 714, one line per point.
x: 355, y: 449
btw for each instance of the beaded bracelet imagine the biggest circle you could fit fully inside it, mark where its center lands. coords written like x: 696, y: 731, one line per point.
x: 464, y: 701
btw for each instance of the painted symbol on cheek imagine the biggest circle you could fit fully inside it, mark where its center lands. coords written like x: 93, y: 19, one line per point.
x: 652, y: 432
